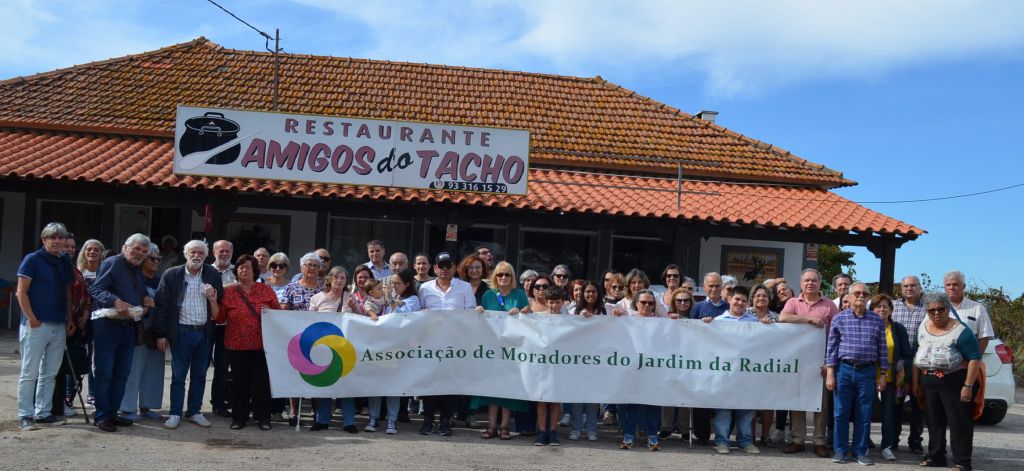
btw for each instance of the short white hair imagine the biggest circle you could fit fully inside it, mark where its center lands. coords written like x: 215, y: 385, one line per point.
x: 54, y: 229
x: 137, y: 239
x: 153, y: 249
x: 311, y: 256
x: 192, y: 244
x: 958, y: 275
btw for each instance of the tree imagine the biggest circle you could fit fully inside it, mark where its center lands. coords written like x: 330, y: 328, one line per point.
x: 833, y: 260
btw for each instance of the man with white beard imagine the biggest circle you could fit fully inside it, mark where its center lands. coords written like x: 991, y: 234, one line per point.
x: 186, y: 303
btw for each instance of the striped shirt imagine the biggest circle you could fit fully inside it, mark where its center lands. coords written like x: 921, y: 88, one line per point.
x: 857, y: 339
x: 909, y: 316
x: 193, y: 304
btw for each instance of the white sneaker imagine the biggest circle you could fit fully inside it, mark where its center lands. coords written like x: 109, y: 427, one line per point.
x: 592, y: 437
x: 392, y: 429
x: 888, y: 455
x: 69, y: 412
x: 172, y: 422
x: 779, y: 436
x: 722, y: 449
x: 371, y: 427
x: 574, y: 435
x: 566, y: 420
x: 200, y: 420
x: 753, y: 450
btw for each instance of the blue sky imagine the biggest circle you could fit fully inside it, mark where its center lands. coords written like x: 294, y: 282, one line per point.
x: 912, y: 99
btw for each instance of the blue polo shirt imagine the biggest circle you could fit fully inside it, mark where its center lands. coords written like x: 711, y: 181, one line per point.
x: 118, y: 279
x: 48, y: 292
x: 706, y: 308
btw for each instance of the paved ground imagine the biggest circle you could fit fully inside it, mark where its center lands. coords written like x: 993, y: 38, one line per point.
x: 148, y: 446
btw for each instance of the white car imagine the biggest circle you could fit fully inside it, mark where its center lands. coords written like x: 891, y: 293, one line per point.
x: 999, y: 382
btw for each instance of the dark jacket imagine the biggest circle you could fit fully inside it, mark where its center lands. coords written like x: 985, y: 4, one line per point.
x: 901, y: 350
x: 171, y: 293
x: 117, y: 279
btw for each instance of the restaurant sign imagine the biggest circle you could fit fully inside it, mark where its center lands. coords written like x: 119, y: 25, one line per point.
x: 281, y: 146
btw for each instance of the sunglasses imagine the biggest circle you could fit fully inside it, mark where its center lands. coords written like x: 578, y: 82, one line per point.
x: 560, y: 275
x: 445, y: 265
x: 154, y: 259
x: 502, y: 275
x: 618, y: 287
x: 860, y: 294
x: 672, y: 275
x: 937, y: 310
x: 541, y: 286
x: 683, y: 301
x: 645, y: 303
x: 275, y: 266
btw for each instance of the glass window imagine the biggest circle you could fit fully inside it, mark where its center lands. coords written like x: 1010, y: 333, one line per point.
x: 348, y: 237
x: 82, y: 219
x: 490, y: 235
x: 649, y: 254
x: 542, y: 250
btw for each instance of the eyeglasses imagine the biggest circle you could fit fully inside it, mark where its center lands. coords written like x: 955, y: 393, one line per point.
x: 860, y: 294
x: 671, y: 275
x: 154, y: 259
x: 275, y: 266
x: 645, y: 303
x: 618, y: 287
x: 560, y: 275
x: 541, y: 286
x: 502, y: 275
x: 325, y: 259
x: 936, y: 310
x: 683, y: 301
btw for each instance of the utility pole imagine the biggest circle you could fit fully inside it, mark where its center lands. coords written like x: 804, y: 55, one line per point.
x: 277, y: 65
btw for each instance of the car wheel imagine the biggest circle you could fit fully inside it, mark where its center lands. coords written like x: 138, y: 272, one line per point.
x: 993, y: 413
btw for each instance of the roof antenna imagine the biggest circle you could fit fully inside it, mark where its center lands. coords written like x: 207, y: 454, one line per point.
x: 276, y: 51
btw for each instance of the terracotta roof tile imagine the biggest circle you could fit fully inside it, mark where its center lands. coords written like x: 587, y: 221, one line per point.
x: 582, y: 122
x: 147, y: 161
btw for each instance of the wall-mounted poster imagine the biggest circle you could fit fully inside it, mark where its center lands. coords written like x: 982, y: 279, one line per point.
x: 249, y: 232
x: 752, y: 265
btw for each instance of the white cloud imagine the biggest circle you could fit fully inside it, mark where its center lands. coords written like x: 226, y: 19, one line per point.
x: 741, y: 46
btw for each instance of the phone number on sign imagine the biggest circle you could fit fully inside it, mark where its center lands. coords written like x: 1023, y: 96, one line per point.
x: 471, y: 186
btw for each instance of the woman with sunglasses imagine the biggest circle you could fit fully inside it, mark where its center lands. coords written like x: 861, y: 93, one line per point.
x: 504, y: 296
x: 636, y: 281
x: 278, y: 279
x: 680, y: 303
x: 900, y: 357
x: 760, y: 301
x: 590, y: 304
x: 539, y: 302
x: 673, y: 279
x: 561, y: 276
x: 945, y: 375
x: 640, y: 415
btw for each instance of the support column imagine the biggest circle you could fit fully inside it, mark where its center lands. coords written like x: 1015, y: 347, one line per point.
x: 320, y: 236
x: 887, y: 267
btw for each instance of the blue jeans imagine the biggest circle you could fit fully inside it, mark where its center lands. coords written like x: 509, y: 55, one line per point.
x: 42, y: 349
x: 324, y: 407
x: 854, y: 396
x: 632, y: 415
x: 190, y: 356
x: 577, y: 410
x: 145, y: 386
x: 723, y: 419
x: 114, y: 346
x: 392, y: 402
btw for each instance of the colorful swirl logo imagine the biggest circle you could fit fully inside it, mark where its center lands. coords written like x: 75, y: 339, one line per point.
x: 343, y: 354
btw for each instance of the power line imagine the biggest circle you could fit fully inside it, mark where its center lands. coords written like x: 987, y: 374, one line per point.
x: 940, y: 198
x: 265, y: 35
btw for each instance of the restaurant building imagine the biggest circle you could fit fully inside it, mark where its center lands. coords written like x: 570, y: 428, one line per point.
x: 615, y: 179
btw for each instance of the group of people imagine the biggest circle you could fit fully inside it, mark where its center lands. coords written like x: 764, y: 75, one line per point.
x: 927, y: 346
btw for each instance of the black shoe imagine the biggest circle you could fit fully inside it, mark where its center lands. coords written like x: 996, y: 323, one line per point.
x: 293, y: 421
x: 222, y: 412
x: 351, y: 429
x: 427, y: 428
x: 318, y: 427
x: 265, y: 425
x: 403, y: 416
x: 51, y: 420
x: 121, y: 422
x: 664, y: 434
x: 237, y: 426
x: 445, y: 428
x: 106, y: 425
x: 917, y: 448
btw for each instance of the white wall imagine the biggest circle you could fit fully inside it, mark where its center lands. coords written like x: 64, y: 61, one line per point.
x: 711, y: 255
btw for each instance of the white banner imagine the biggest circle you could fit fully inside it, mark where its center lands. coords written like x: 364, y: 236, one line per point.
x: 293, y: 147
x: 551, y: 358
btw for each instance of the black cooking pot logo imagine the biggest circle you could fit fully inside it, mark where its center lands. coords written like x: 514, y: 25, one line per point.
x: 205, y: 133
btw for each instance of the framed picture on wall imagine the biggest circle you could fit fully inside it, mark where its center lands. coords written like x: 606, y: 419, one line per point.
x: 752, y: 265
x: 249, y: 232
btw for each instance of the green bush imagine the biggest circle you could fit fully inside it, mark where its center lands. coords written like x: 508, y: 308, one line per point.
x: 1007, y: 321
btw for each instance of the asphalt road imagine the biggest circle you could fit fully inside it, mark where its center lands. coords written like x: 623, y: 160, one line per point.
x: 148, y: 446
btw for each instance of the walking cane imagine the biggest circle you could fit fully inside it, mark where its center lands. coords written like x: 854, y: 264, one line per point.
x: 691, y: 428
x: 298, y: 416
x: 78, y: 384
